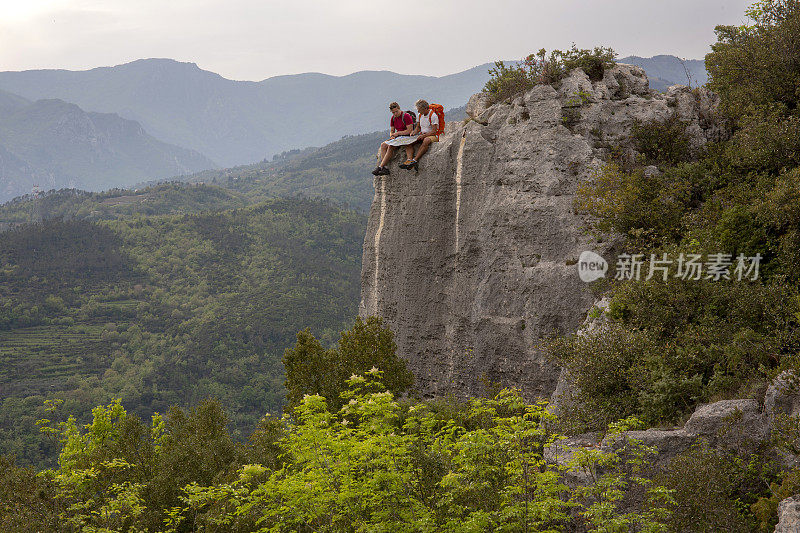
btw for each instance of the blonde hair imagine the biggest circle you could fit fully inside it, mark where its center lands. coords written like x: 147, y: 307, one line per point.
x: 422, y: 105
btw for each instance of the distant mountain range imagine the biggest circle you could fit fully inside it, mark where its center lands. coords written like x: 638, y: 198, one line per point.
x: 663, y: 71
x: 55, y: 144
x: 154, y: 118
x: 235, y: 122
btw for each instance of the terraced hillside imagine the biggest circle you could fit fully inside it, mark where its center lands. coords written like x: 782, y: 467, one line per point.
x: 42, y: 359
x: 167, y: 310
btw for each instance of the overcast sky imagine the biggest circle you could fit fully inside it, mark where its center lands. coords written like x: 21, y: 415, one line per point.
x: 256, y: 39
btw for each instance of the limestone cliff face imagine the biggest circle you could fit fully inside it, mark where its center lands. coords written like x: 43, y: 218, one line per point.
x: 472, y: 260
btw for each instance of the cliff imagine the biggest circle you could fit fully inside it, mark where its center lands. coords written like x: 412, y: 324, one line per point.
x: 472, y: 260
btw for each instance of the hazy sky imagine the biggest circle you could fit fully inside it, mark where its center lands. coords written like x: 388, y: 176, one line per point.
x: 256, y: 39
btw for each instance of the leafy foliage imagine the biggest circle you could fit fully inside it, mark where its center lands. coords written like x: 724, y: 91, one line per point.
x: 671, y: 345
x: 507, y: 81
x: 375, y: 464
x: 663, y: 143
x: 311, y: 369
x: 668, y: 346
x: 754, y: 67
x: 729, y: 484
x: 786, y: 442
x: 26, y: 500
x: 541, y: 68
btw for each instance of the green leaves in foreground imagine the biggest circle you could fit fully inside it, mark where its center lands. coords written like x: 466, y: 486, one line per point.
x: 381, y: 465
x: 375, y: 464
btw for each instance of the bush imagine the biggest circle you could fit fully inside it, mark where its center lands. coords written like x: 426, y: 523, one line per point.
x: 648, y: 208
x: 766, y: 508
x: 505, y: 82
x: 714, y: 490
x: 592, y: 62
x: 669, y: 346
x: 663, y: 143
x: 603, y: 368
x: 786, y: 440
x: 541, y: 68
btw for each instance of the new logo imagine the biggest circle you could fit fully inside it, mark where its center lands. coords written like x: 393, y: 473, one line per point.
x: 591, y: 266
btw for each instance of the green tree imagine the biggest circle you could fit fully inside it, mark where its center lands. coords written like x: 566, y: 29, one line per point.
x: 311, y: 369
x: 754, y: 67
x: 102, y: 471
x: 193, y: 447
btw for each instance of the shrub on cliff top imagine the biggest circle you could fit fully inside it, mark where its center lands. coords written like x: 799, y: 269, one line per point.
x: 540, y: 68
x: 593, y: 62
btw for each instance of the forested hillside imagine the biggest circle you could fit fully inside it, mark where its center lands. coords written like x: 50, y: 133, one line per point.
x: 164, y: 199
x: 162, y: 310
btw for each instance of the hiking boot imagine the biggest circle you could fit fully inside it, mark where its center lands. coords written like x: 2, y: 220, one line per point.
x: 406, y: 165
x: 376, y: 171
x: 383, y: 171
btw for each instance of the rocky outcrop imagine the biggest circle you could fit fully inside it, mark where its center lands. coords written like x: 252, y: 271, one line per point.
x: 730, y: 423
x: 783, y: 396
x: 472, y: 261
x: 789, y: 515
x: 735, y: 426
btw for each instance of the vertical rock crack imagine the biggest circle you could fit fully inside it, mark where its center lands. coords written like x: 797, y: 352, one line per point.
x: 459, y: 167
x: 377, y: 245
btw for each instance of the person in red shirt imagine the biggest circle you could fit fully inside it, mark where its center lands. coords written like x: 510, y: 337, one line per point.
x: 401, y: 123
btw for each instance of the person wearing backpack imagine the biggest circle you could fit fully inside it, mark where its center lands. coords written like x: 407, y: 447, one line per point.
x: 400, y: 124
x: 429, y: 126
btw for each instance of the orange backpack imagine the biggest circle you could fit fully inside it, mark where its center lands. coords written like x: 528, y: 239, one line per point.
x: 439, y: 110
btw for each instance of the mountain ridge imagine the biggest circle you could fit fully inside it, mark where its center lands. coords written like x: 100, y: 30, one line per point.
x: 57, y: 144
x: 666, y: 70
x: 236, y: 122
x: 181, y: 104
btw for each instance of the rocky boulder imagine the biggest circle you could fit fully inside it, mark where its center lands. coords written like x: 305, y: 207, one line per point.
x: 729, y: 423
x: 789, y: 515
